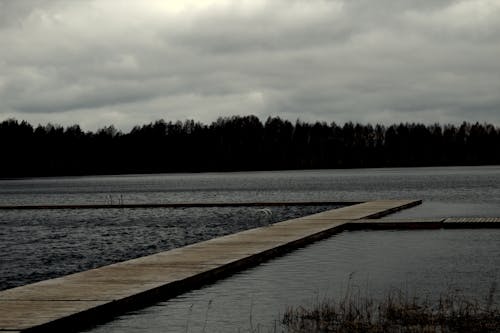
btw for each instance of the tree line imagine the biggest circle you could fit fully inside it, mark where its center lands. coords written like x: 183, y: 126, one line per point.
x: 239, y: 143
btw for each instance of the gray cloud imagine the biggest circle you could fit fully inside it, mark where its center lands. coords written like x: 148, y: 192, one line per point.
x: 98, y: 62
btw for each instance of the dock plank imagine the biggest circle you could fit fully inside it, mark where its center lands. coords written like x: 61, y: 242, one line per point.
x: 67, y: 302
x: 472, y: 220
x: 22, y: 315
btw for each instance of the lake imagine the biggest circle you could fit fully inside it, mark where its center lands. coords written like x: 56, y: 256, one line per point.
x: 475, y: 189
x: 36, y: 245
x: 424, y: 263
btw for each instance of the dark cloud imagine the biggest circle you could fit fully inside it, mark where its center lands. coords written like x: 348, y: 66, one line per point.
x: 96, y: 62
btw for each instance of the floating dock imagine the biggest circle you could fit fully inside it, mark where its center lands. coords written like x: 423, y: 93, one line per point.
x: 73, y: 302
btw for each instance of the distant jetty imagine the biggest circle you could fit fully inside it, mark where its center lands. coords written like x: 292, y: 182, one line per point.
x: 180, y: 205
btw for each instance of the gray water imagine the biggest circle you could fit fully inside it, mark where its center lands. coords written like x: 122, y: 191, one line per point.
x: 470, y: 190
x: 445, y: 184
x: 42, y: 244
x: 36, y: 245
x: 369, y: 264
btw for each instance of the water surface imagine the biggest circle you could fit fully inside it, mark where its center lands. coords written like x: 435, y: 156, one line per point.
x: 40, y: 244
x: 474, y: 185
x: 424, y: 263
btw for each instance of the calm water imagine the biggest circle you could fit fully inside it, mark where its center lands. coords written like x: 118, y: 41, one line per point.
x: 424, y: 263
x: 470, y: 190
x: 36, y: 245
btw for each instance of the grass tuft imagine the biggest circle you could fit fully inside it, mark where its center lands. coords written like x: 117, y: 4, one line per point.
x: 397, y: 312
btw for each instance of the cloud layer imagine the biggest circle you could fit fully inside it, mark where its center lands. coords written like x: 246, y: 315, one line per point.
x: 103, y: 62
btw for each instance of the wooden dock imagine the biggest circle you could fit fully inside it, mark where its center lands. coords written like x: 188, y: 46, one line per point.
x: 72, y: 302
x: 177, y: 205
x: 426, y: 223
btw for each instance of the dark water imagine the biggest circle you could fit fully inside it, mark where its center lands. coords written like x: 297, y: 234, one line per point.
x: 36, y: 245
x: 41, y: 244
x: 469, y: 185
x: 421, y: 263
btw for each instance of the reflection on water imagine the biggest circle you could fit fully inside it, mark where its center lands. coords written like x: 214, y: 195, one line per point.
x: 422, y: 262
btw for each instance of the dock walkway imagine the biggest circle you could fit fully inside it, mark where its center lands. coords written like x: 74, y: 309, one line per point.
x: 177, y: 205
x: 74, y: 301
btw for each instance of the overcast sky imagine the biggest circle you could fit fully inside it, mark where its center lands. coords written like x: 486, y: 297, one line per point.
x: 132, y: 62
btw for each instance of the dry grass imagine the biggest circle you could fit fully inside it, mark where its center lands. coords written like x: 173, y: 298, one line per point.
x: 397, y: 312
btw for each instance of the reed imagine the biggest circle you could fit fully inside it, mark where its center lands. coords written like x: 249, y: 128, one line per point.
x: 397, y: 312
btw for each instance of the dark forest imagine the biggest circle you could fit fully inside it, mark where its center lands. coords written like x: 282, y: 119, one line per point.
x: 239, y: 143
